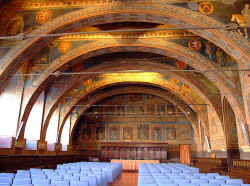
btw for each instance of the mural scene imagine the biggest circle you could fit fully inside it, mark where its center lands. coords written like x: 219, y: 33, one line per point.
x: 132, y: 123
x: 26, y: 17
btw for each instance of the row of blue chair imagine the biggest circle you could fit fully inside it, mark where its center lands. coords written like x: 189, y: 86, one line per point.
x: 71, y: 174
x: 181, y: 175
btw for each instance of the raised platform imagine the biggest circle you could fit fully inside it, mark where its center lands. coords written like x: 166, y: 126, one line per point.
x: 132, y: 165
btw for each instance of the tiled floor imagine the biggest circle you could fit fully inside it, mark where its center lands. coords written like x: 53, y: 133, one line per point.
x: 127, y: 179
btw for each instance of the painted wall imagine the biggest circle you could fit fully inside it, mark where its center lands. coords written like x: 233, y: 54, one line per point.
x: 133, y: 118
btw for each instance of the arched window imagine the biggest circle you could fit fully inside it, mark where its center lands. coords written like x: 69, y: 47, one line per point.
x: 51, y: 135
x: 10, y: 101
x: 34, y: 122
x: 65, y: 134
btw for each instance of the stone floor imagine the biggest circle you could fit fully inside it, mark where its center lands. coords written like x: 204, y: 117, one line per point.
x: 127, y: 179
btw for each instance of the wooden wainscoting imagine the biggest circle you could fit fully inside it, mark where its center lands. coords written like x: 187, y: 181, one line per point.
x: 11, y: 163
x: 241, y: 169
x: 133, y: 151
x: 211, y: 165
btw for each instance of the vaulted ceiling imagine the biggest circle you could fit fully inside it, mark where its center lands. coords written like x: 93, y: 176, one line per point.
x: 196, y: 67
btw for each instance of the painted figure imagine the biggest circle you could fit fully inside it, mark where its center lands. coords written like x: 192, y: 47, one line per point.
x: 100, y: 133
x: 243, y: 20
x: 114, y: 133
x: 43, y: 16
x: 143, y: 132
x: 127, y: 133
x: 220, y: 57
x: 206, y: 7
x: 170, y: 133
x: 194, y: 44
x: 246, y: 14
x: 184, y: 132
x: 15, y: 25
x: 209, y: 50
x: 156, y: 134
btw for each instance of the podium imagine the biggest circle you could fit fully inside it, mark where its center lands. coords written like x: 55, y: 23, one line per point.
x: 132, y: 165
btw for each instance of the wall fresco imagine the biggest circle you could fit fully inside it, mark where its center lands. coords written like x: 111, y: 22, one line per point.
x: 183, y: 133
x: 35, y: 14
x: 114, y: 133
x: 143, y: 132
x: 122, y: 127
x: 171, y: 133
x: 140, y: 109
x: 100, y: 133
x: 127, y: 133
x: 157, y: 133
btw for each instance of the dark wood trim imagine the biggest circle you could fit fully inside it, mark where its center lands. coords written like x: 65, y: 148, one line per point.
x: 240, y: 168
x: 134, y: 144
x: 11, y: 163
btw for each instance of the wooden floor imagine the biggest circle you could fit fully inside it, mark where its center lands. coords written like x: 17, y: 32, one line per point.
x: 127, y: 179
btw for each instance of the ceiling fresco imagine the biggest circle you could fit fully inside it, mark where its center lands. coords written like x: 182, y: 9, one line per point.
x: 174, y: 85
x: 26, y: 16
x: 41, y: 63
x: 36, y: 83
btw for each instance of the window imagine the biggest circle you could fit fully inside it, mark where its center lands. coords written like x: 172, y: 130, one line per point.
x: 5, y: 142
x: 10, y: 101
x: 64, y: 147
x: 50, y: 146
x: 33, y: 125
x: 65, y: 133
x: 51, y: 135
x: 31, y: 144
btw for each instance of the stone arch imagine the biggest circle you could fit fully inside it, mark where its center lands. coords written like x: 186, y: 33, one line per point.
x: 190, y: 114
x: 103, y: 84
x: 172, y: 50
x: 78, y: 80
x: 120, y: 66
x: 230, y: 129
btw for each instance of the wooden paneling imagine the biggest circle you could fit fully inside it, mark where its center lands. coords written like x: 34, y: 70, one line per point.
x: 12, y: 163
x: 241, y: 169
x: 211, y: 165
x: 139, y: 151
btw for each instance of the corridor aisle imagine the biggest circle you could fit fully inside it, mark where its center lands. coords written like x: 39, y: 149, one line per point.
x: 127, y: 179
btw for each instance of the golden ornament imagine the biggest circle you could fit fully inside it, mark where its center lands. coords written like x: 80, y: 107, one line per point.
x: 64, y: 47
x: 206, y: 8
x: 43, y: 16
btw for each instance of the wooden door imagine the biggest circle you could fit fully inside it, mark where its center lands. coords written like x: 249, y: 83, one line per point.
x: 185, y: 154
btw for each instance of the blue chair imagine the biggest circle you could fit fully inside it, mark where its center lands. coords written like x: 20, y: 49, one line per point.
x: 209, y: 184
x: 234, y: 181
x: 199, y: 181
x: 190, y: 184
x: 219, y: 182
x: 79, y: 183
x: 168, y: 184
